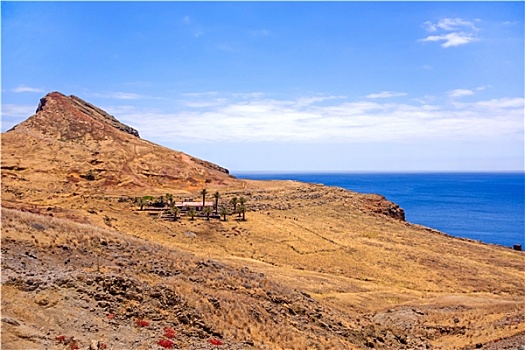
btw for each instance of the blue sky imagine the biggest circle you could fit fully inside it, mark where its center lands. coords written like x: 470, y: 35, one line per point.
x: 285, y: 86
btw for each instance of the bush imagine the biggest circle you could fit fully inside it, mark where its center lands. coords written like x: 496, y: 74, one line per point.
x: 90, y: 175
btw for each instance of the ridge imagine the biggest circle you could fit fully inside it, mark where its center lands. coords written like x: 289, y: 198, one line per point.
x: 57, y: 114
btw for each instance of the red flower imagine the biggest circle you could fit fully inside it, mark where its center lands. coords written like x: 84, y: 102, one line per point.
x: 61, y: 338
x: 216, y: 342
x: 169, y: 332
x: 111, y: 316
x: 141, y: 323
x: 102, y: 346
x: 166, y: 343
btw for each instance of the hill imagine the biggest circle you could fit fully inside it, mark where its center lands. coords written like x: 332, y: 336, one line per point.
x: 312, y: 267
x: 71, y: 146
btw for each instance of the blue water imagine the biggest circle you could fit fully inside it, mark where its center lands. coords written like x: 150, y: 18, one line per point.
x: 488, y: 207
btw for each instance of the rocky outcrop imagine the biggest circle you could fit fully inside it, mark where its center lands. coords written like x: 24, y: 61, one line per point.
x: 102, y: 115
x: 71, y: 118
x: 380, y: 205
x: 71, y: 113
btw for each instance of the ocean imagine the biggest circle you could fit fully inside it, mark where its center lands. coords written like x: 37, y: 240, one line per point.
x: 487, y: 207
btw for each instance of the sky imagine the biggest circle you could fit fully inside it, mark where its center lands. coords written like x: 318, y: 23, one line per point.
x: 285, y: 86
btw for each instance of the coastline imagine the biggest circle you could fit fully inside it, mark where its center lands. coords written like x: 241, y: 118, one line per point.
x: 481, y: 206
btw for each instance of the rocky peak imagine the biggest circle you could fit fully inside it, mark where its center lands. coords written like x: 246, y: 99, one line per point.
x: 71, y: 117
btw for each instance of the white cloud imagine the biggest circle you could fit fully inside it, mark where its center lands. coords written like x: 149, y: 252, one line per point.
x: 213, y: 98
x: 12, y: 110
x: 23, y: 88
x: 451, y: 39
x: 449, y: 25
x: 12, y: 114
x: 386, y: 94
x: 206, y: 103
x: 483, y: 87
x: 460, y: 93
x: 500, y: 104
x: 200, y: 94
x: 121, y: 95
x: 309, y: 119
x: 126, y: 96
x: 452, y: 31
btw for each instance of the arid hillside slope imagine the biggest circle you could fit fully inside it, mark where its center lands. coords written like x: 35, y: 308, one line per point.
x: 311, y: 267
x: 65, y: 279
x: 71, y: 146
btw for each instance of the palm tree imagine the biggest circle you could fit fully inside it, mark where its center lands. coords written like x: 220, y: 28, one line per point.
x: 242, y: 210
x: 203, y: 193
x: 169, y: 198
x: 175, y: 211
x: 216, y: 195
x: 141, y: 202
x: 207, y: 211
x: 192, y: 213
x: 242, y: 201
x: 234, y: 201
x: 159, y: 202
x: 224, y: 211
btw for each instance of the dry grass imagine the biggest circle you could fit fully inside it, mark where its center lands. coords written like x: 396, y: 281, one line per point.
x: 234, y: 301
x: 330, y: 245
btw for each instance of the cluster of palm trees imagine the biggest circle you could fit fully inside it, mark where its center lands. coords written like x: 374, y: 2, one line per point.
x: 239, y: 207
x: 238, y: 204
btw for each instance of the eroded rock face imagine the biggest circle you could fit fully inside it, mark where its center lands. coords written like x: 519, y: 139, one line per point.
x: 102, y: 115
x: 379, y: 204
x: 71, y: 117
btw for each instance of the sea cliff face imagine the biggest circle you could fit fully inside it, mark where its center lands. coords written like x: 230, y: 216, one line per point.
x: 379, y: 204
